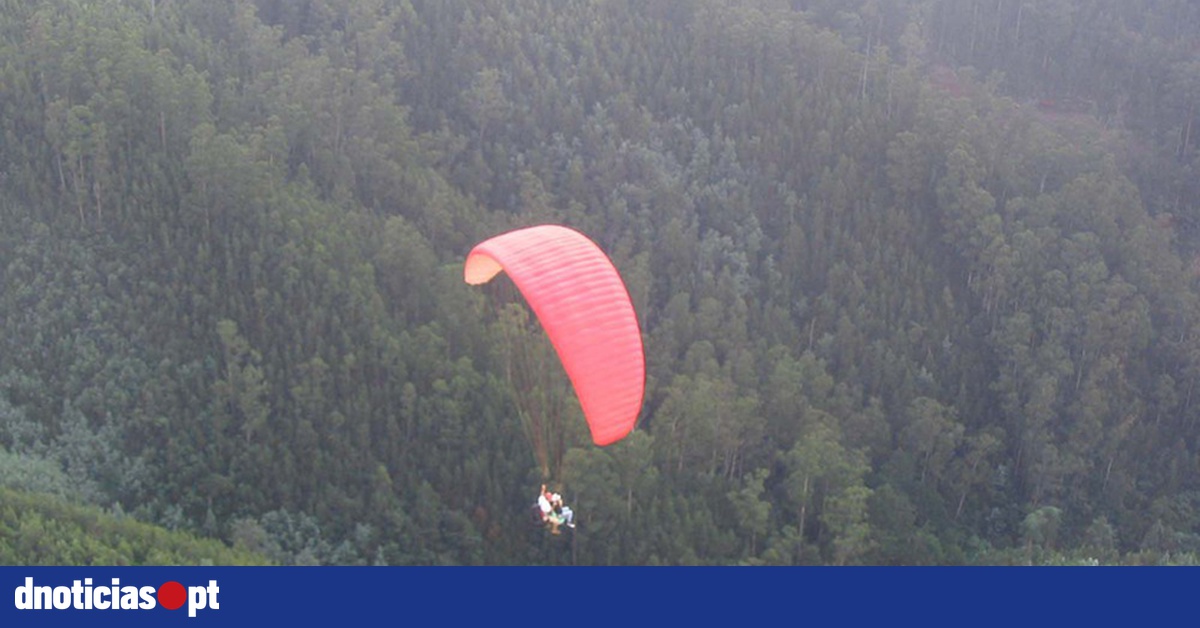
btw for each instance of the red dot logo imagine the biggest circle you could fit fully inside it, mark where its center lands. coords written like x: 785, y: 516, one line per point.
x: 171, y: 595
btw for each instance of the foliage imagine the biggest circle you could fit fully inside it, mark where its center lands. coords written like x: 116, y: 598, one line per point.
x: 42, y: 530
x: 916, y: 277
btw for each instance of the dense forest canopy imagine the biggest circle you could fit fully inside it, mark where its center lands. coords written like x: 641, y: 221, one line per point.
x: 917, y: 279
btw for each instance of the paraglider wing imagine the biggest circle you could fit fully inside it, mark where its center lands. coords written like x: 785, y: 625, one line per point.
x: 583, y: 305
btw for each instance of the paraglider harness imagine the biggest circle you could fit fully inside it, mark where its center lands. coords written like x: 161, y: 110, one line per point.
x: 535, y: 516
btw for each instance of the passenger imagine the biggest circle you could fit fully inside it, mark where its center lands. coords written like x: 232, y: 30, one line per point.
x: 564, y: 512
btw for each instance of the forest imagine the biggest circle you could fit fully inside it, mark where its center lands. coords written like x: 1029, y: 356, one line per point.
x: 917, y: 280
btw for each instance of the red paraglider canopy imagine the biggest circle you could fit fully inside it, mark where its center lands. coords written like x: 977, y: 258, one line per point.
x: 583, y: 305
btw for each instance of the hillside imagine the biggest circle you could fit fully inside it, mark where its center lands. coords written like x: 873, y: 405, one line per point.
x: 916, y: 278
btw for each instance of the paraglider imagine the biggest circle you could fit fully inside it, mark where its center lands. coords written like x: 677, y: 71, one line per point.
x: 583, y: 305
